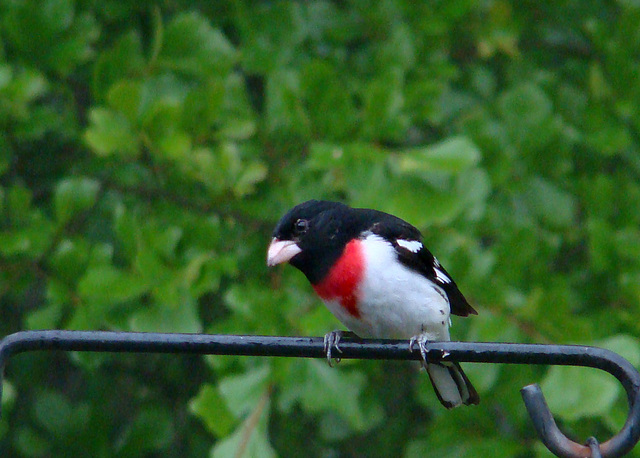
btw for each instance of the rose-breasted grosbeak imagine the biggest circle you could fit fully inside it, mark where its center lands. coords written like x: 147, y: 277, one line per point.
x: 373, y: 272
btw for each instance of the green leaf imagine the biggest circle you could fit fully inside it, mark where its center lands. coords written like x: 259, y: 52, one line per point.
x: 601, y: 253
x: 212, y: 409
x: 125, y: 97
x: 626, y: 245
x: 50, y: 34
x: 626, y: 346
x: 576, y: 392
x: 73, y: 196
x: 152, y: 429
x: 203, y: 107
x: 474, y: 187
x: 127, y: 229
x: 45, y: 317
x: 251, y: 438
x: 110, y: 133
x: 34, y: 239
x: 8, y: 396
x: 551, y: 204
x: 77, y: 48
x: 18, y: 203
x: 197, y: 268
x: 526, y: 105
x: 53, y: 412
x: 237, y: 129
x: 399, y: 50
x: 630, y: 4
x: 322, y: 389
x: 175, y: 144
x: 383, y: 117
x: 108, y: 284
x: 242, y: 392
x: 125, y: 59
x: 452, y: 155
x: 59, y: 12
x: 285, y: 116
x: 163, y: 317
x: 6, y: 75
x: 12, y: 243
x: 528, y: 115
x: 329, y: 102
x: 435, y: 206
x: 464, y: 447
x: 272, y: 35
x: 253, y: 173
x: 192, y: 46
x: 31, y: 443
x: 28, y: 85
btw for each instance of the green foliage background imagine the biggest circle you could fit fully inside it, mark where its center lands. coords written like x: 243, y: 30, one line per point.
x: 146, y: 151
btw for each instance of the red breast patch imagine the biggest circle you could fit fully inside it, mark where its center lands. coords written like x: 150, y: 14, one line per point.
x: 342, y: 281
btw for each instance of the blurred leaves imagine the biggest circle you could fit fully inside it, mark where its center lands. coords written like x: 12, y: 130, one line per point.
x: 578, y: 392
x: 146, y: 152
x: 73, y: 196
x: 211, y: 408
x: 110, y: 133
x: 324, y: 391
x: 452, y: 155
x: 50, y: 34
x: 190, y: 45
x: 150, y: 430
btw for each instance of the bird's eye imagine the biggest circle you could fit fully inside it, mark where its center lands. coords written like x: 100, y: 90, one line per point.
x: 301, y: 226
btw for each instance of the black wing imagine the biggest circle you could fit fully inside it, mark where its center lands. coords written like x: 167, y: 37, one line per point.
x: 407, y: 241
x: 426, y: 263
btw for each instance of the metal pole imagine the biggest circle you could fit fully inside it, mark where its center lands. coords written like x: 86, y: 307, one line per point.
x: 313, y: 347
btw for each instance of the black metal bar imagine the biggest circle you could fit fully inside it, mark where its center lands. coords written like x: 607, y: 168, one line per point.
x: 313, y: 347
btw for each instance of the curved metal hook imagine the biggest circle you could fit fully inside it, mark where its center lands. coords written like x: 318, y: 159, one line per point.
x: 561, y: 445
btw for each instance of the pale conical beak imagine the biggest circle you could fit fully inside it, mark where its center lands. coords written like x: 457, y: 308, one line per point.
x: 281, y: 251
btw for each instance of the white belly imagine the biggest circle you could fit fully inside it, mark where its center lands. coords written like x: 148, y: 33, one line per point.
x: 394, y: 301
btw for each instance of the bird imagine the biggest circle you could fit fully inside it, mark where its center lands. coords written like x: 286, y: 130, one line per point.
x: 373, y: 272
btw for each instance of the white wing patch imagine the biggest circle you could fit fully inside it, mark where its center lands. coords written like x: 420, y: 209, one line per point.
x: 412, y: 245
x: 440, y: 275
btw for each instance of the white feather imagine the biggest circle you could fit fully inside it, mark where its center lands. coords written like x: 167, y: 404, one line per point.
x: 447, y: 386
x: 440, y: 275
x: 412, y: 245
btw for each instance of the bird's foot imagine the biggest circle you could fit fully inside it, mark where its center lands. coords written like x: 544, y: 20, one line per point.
x: 421, y: 340
x: 331, y: 340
